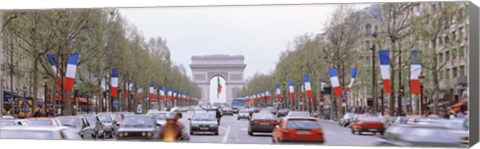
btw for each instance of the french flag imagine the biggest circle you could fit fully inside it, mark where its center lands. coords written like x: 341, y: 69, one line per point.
x: 52, y: 60
x: 337, y: 90
x: 139, y: 94
x: 174, y: 94
x: 308, y: 88
x: 353, y: 74
x: 415, y: 71
x: 279, y: 94
x: 291, y: 90
x: 114, y: 83
x: 169, y: 93
x: 129, y: 87
x: 384, y: 56
x: 71, y: 71
x: 162, y: 93
x: 267, y: 94
x: 151, y: 94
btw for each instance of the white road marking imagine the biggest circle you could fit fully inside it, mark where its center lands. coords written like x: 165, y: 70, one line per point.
x: 226, y: 135
x: 244, y: 129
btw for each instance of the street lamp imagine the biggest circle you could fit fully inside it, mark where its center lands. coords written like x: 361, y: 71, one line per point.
x: 421, y: 106
x: 45, y: 81
x: 374, y: 84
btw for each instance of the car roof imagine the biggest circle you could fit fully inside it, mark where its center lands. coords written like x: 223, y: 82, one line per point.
x: 299, y: 118
x: 35, y: 128
x: 70, y: 116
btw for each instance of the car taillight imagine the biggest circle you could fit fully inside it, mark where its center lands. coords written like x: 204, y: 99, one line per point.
x: 465, y: 138
x: 273, y: 122
x: 319, y: 131
x: 254, y: 122
x: 285, y: 132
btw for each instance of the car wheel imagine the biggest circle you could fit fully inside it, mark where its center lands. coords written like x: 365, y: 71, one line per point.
x: 104, y: 135
x: 238, y: 118
x: 191, y: 132
x: 381, y: 133
x: 359, y: 133
x: 216, y: 133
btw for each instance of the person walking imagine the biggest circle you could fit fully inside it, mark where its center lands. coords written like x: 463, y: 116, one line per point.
x: 37, y: 112
x: 218, y: 115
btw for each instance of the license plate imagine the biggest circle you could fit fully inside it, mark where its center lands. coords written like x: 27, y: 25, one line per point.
x: 264, y: 123
x: 203, y: 128
x: 303, y: 132
x: 372, y: 129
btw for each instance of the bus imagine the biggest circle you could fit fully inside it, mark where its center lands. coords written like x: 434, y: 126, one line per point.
x: 238, y: 103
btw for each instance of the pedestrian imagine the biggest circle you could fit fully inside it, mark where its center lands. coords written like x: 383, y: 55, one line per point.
x: 37, y: 112
x: 59, y: 111
x: 218, y: 115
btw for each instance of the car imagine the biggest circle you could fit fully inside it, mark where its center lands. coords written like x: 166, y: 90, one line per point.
x: 203, y: 122
x: 457, y: 126
x: 39, y: 133
x: 79, y: 124
x: 139, y: 127
x: 298, y: 114
x: 160, y: 117
x: 15, y: 122
x: 298, y: 129
x: 368, y: 123
x: 236, y: 110
x: 7, y: 117
x: 110, y: 124
x: 227, y: 111
x: 422, y: 135
x: 118, y: 117
x: 262, y: 122
x: 346, y: 119
x: 152, y: 111
x: 45, y: 122
x: 96, y: 125
x: 282, y: 113
x: 243, y: 114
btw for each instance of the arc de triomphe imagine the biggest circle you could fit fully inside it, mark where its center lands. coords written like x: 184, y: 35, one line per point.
x: 230, y: 68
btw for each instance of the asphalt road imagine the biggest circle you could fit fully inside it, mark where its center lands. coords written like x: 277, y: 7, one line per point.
x: 235, y: 131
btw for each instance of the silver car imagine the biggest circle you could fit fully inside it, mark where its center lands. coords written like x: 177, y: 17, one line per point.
x: 160, y: 117
x: 110, y: 124
x: 96, y: 124
x: 203, y: 122
x: 243, y: 114
x: 39, y: 133
x: 79, y: 124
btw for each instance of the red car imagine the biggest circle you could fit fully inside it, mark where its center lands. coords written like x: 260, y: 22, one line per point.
x: 368, y: 124
x: 298, y: 129
x: 45, y: 121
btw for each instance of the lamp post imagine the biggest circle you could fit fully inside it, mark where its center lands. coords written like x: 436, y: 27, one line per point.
x: 421, y: 107
x: 374, y: 84
x: 45, y: 86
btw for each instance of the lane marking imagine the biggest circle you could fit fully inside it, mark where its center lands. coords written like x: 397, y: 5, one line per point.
x: 226, y: 135
x: 244, y: 129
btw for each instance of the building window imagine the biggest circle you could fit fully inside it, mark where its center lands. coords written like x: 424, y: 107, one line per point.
x: 447, y: 75
x: 462, y: 71
x: 454, y: 53
x: 454, y: 72
x: 368, y: 28
x: 447, y: 56
x: 461, y: 52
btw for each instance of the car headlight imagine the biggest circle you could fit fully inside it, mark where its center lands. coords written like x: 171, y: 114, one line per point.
x: 120, y: 134
x: 149, y: 134
x: 143, y: 133
x: 125, y: 134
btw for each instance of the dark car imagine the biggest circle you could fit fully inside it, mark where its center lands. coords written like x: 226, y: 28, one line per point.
x: 160, y: 117
x: 39, y: 133
x: 227, y: 111
x: 79, y: 124
x: 282, y: 113
x: 421, y: 135
x: 138, y: 127
x: 203, y: 122
x: 262, y: 122
x: 96, y: 124
x: 110, y: 124
x: 346, y: 119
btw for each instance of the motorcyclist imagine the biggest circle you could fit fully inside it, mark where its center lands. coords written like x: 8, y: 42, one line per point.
x: 173, y: 130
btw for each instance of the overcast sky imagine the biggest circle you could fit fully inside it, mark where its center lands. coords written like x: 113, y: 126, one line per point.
x: 260, y: 33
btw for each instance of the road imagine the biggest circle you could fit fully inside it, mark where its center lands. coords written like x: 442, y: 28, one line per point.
x: 235, y: 131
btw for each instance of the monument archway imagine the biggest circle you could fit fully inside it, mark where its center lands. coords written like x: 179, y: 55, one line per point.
x: 230, y: 68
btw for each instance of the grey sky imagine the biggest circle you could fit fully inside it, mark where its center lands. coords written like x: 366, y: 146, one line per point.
x: 260, y: 33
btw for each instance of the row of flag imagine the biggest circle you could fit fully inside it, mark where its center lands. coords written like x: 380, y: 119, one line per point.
x: 384, y: 57
x: 72, y: 71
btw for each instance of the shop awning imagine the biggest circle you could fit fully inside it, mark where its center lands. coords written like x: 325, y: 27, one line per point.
x: 460, y: 103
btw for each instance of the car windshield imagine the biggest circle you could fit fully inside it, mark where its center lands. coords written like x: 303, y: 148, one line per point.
x: 299, y: 114
x: 303, y: 123
x: 137, y: 122
x: 26, y: 134
x: 203, y: 117
x: 106, y: 118
x: 159, y: 116
x: 7, y: 123
x: 244, y: 112
x: 349, y: 115
x: 41, y: 122
x: 263, y: 116
x: 427, y: 135
x: 370, y: 119
x: 91, y: 119
x: 71, y: 122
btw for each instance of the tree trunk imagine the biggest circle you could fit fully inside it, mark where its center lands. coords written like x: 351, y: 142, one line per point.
x: 436, y: 79
x: 35, y: 85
